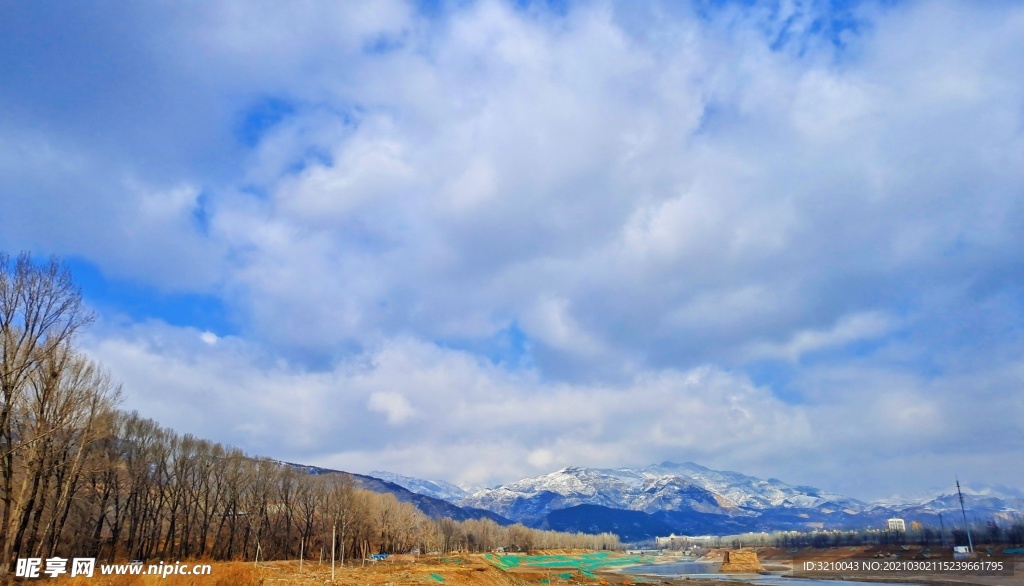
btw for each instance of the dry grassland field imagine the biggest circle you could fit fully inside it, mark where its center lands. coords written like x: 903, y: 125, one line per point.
x: 558, y: 568
x: 463, y: 570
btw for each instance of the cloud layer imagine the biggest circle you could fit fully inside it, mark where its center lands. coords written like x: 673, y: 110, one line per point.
x: 478, y: 241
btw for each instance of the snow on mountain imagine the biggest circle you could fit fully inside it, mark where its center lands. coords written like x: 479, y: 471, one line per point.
x: 637, y: 490
x: 532, y: 498
x: 755, y: 493
x: 1005, y: 493
x: 438, y: 489
x: 431, y: 506
x: 691, y: 498
x: 979, y: 506
x: 988, y: 501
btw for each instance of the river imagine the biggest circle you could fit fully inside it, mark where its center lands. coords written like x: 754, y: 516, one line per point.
x: 709, y: 570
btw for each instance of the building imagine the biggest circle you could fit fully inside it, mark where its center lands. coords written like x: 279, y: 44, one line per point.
x: 674, y: 541
x: 896, y: 524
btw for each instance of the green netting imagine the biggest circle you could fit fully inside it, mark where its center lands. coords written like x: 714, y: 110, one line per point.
x: 437, y: 577
x: 587, y: 563
x: 1016, y: 551
x: 503, y: 561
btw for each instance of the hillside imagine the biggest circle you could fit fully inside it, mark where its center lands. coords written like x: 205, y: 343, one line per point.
x: 692, y: 499
x: 433, y: 507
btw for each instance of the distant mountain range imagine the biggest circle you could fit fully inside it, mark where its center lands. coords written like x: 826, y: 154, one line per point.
x: 638, y: 504
x: 432, y: 506
x: 663, y: 487
x: 438, y: 489
x: 685, y: 499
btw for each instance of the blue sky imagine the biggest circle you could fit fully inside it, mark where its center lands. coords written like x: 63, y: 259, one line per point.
x: 769, y: 237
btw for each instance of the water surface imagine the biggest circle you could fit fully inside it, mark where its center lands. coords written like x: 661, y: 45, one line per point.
x: 697, y: 569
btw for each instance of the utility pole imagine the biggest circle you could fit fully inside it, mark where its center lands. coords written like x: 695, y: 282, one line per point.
x: 963, y: 510
x: 332, y: 554
x: 942, y: 532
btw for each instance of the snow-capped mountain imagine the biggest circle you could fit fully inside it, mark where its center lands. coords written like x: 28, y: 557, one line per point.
x: 756, y: 493
x: 999, y: 492
x: 984, y: 504
x: 432, y: 506
x: 977, y: 491
x: 662, y: 487
x: 638, y: 490
x: 692, y: 499
x: 438, y: 489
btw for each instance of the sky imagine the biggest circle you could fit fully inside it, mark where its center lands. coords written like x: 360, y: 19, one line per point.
x: 482, y: 240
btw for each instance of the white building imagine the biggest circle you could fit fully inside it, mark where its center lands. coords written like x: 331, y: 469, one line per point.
x: 674, y: 541
x: 671, y: 540
x: 896, y: 524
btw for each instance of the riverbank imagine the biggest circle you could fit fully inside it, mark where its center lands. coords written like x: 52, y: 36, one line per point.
x: 869, y: 565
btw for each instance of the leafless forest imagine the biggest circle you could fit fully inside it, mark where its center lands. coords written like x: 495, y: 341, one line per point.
x: 81, y: 478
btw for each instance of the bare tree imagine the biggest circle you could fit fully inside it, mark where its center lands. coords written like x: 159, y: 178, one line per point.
x: 40, y: 311
x: 62, y: 415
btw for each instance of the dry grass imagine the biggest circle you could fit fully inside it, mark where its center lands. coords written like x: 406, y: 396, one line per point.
x: 465, y: 570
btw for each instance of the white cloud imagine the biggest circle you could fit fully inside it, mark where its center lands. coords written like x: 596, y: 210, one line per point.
x: 542, y: 459
x: 853, y: 328
x: 435, y: 412
x: 394, y: 405
x: 653, y: 199
x: 431, y: 399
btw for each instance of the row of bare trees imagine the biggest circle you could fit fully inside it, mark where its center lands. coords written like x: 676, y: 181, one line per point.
x: 78, y: 477
x: 178, y: 497
x: 1009, y: 532
x: 480, y: 535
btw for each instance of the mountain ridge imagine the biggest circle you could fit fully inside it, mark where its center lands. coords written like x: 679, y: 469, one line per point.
x: 438, y: 489
x: 693, y: 499
x: 641, y: 503
x: 659, y: 487
x: 431, y: 506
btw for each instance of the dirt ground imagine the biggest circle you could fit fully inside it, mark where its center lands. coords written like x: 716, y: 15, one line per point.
x: 455, y: 570
x: 465, y: 570
x: 476, y: 570
x: 776, y: 558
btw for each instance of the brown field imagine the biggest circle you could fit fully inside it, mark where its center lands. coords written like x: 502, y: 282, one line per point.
x: 474, y: 570
x: 461, y: 570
